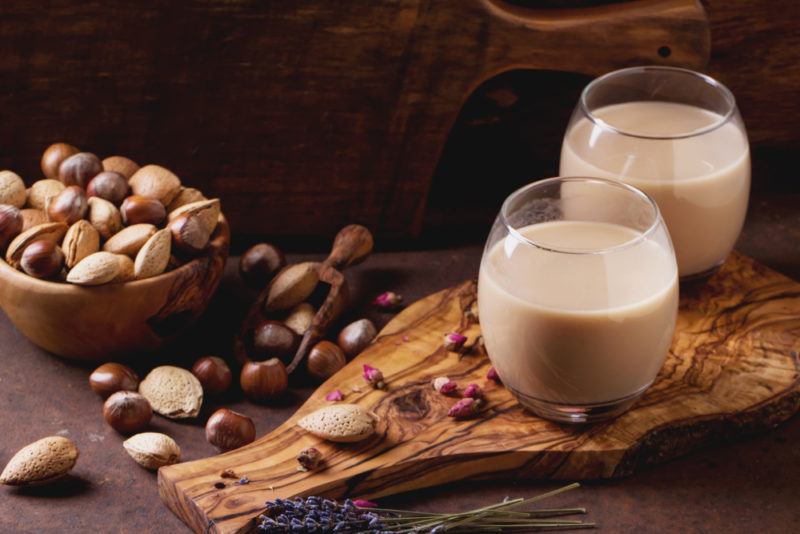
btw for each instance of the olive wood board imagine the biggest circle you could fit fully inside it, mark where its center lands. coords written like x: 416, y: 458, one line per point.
x: 733, y: 369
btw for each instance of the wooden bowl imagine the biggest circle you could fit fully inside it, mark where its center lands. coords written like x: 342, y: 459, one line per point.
x: 113, y: 322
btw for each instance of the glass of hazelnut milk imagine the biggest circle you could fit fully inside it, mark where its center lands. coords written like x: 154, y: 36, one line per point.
x: 677, y: 135
x: 578, y: 296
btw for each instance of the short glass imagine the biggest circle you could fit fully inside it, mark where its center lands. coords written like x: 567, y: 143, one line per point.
x: 578, y: 296
x: 677, y: 135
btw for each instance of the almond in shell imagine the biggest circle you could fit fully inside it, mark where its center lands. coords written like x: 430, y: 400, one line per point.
x: 126, y: 167
x: 80, y: 240
x: 186, y: 195
x: 153, y: 257
x: 154, y: 181
x: 51, y: 231
x: 32, y: 217
x: 126, y: 269
x: 42, y: 190
x: 343, y: 423
x: 104, y: 216
x: 292, y: 286
x: 173, y: 392
x: 152, y: 450
x: 12, y: 189
x: 41, y: 462
x: 95, y: 269
x: 130, y: 240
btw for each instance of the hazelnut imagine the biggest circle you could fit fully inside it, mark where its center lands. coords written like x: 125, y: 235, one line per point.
x: 11, y: 224
x: 42, y: 259
x: 324, y: 360
x: 69, y: 206
x: 53, y: 156
x: 142, y: 210
x: 108, y: 185
x: 228, y: 430
x: 259, y: 264
x: 78, y: 169
x: 356, y: 336
x: 127, y: 412
x: 272, y: 339
x: 126, y: 167
x: 213, y: 373
x: 112, y: 377
x: 189, y: 234
x: 262, y: 381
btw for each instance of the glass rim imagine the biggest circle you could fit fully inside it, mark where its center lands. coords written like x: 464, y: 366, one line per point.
x: 512, y: 230
x: 714, y: 83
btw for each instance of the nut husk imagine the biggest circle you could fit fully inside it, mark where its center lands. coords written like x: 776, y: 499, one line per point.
x: 80, y: 240
x: 292, y: 286
x: 342, y: 423
x: 186, y: 195
x: 12, y: 189
x: 173, y: 392
x: 126, y: 167
x: 95, y: 269
x: 207, y: 211
x: 154, y: 181
x: 42, y: 190
x: 153, y: 257
x: 130, y: 240
x: 42, y: 461
x: 152, y: 450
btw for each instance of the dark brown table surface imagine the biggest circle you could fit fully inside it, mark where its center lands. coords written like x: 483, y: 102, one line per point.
x: 750, y: 485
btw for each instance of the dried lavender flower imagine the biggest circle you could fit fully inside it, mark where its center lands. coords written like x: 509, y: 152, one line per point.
x: 374, y: 376
x: 453, y: 341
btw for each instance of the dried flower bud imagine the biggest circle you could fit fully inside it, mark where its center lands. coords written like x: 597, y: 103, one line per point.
x: 309, y: 459
x: 473, y: 391
x: 465, y: 408
x: 471, y: 314
x: 492, y: 375
x: 334, y: 396
x: 363, y: 503
x: 454, y: 341
x: 388, y: 300
x: 444, y: 385
x: 373, y: 376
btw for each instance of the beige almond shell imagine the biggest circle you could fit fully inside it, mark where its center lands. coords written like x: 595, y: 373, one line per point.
x: 343, y: 423
x: 32, y: 217
x: 154, y: 181
x: 152, y: 450
x: 173, y: 392
x: 42, y: 190
x: 41, y: 462
x: 104, y: 216
x: 80, y: 240
x: 126, y: 269
x: 207, y: 211
x: 126, y: 167
x: 300, y: 318
x: 187, y: 195
x: 130, y: 240
x: 12, y: 189
x: 50, y: 231
x: 94, y: 270
x: 153, y: 258
x: 292, y: 286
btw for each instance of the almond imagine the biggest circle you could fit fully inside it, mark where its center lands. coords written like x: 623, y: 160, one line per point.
x: 154, y: 181
x: 122, y: 165
x: 126, y: 269
x: 12, y: 189
x: 186, y: 195
x: 81, y: 240
x: 299, y: 319
x: 41, y: 462
x: 51, y: 231
x: 206, y: 210
x: 153, y: 257
x: 130, y: 240
x: 42, y: 190
x: 291, y: 286
x: 152, y: 450
x: 95, y: 269
x: 32, y: 217
x: 173, y: 392
x: 343, y: 423
x: 104, y: 216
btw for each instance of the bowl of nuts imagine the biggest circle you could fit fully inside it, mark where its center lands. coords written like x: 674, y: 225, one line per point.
x: 104, y: 259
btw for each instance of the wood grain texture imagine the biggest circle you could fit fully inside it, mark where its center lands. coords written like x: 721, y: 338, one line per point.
x: 733, y: 369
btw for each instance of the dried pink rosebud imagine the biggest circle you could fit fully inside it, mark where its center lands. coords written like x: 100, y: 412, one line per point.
x: 363, y: 503
x: 444, y: 385
x: 388, y: 300
x: 309, y: 459
x: 373, y: 376
x: 473, y: 391
x: 492, y: 375
x: 454, y: 341
x: 334, y: 396
x: 465, y: 408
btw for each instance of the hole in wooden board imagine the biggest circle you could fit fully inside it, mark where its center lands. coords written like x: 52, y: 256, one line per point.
x: 664, y: 51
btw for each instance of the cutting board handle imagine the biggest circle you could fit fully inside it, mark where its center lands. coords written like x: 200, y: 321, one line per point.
x: 352, y: 245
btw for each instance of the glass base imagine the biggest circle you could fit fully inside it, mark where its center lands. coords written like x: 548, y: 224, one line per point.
x: 702, y: 276
x: 577, y: 413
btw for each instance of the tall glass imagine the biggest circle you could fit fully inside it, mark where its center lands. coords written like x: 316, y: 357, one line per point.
x: 677, y: 135
x: 578, y: 296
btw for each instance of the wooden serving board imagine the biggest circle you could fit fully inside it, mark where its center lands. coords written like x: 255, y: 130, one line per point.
x: 733, y: 369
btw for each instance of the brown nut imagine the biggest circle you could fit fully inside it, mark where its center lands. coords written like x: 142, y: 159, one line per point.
x: 127, y: 270
x: 79, y: 168
x: 228, y: 430
x: 273, y: 339
x: 142, y: 210
x: 32, y: 217
x: 53, y: 156
x: 207, y: 211
x: 189, y: 234
x: 105, y: 217
x: 69, y: 206
x: 130, y: 240
x: 81, y: 240
x: 42, y: 190
x: 51, y: 231
x: 324, y: 360
x: 108, y: 185
x: 293, y: 285
x: 112, y: 377
x: 300, y: 318
x: 259, y: 264
x: 12, y: 189
x: 262, y: 381
x: 42, y: 259
x: 95, y: 270
x: 356, y: 336
x: 11, y: 224
x: 126, y: 167
x: 213, y: 373
x: 153, y: 258
x: 156, y: 182
x: 127, y: 412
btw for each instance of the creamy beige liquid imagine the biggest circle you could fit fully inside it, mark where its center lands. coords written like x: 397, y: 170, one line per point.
x: 701, y: 184
x: 578, y: 328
